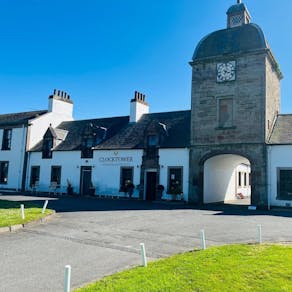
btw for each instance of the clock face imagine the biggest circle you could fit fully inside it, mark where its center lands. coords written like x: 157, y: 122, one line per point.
x: 226, y: 71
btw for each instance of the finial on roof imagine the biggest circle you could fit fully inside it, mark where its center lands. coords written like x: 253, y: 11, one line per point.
x: 238, y: 1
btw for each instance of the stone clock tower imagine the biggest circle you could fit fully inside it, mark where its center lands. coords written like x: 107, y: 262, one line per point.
x: 235, y: 99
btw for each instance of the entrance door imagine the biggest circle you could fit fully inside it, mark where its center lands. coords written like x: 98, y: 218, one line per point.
x: 150, y: 185
x: 85, y: 180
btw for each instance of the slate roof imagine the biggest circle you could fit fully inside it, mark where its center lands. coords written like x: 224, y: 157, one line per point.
x: 282, y: 130
x: 19, y: 118
x: 244, y: 38
x: 124, y: 135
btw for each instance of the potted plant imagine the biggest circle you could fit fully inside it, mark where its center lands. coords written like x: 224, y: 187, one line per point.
x: 69, y: 188
x: 159, y: 189
x: 175, y: 190
x: 91, y: 189
x: 130, y: 189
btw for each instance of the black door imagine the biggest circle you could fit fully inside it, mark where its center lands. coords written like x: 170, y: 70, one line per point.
x: 150, y: 186
x: 85, y: 180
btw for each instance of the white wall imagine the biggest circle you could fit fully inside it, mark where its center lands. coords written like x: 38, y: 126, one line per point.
x: 62, y: 107
x: 105, y: 169
x: 279, y: 156
x: 137, y: 110
x: 175, y: 158
x: 220, y: 177
x: 40, y: 125
x: 245, y: 190
x: 15, y: 157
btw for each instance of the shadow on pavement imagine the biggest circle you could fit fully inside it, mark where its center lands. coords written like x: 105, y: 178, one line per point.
x: 78, y: 204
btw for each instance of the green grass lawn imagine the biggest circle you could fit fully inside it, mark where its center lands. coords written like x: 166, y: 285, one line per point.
x: 226, y: 268
x: 10, y: 213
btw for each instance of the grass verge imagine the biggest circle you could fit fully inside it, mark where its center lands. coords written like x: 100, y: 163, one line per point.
x: 225, y: 268
x: 10, y: 213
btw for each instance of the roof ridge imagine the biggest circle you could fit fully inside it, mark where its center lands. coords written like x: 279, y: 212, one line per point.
x: 27, y: 112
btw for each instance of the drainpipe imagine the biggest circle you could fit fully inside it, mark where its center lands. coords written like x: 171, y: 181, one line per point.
x: 21, y: 159
x: 269, y: 176
x: 24, y: 172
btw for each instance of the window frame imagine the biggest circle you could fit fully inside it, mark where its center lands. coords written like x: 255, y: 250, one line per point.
x: 219, y: 124
x: 122, y: 180
x: 4, y: 182
x: 239, y: 179
x: 152, y: 136
x: 47, y: 152
x: 58, y: 181
x: 279, y: 196
x: 6, y: 139
x: 87, y: 150
x: 169, y: 168
x: 31, y: 181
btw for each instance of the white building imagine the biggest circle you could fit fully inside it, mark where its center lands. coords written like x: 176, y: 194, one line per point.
x: 232, y: 144
x: 21, y: 131
x: 104, y: 156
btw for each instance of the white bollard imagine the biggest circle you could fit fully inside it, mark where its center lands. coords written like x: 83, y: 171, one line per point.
x: 143, y: 255
x: 45, y: 206
x: 259, y: 233
x: 22, y: 211
x: 67, y: 278
x: 203, y: 241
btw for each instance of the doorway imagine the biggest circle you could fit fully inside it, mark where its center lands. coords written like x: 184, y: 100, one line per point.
x: 227, y: 180
x: 85, y: 180
x: 150, y: 185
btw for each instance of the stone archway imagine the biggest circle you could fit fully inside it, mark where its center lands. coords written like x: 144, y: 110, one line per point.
x: 226, y: 179
x: 254, y: 153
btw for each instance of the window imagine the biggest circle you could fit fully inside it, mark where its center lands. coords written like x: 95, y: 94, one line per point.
x: 284, y: 184
x: 56, y: 175
x: 6, y: 141
x: 225, y: 112
x: 152, y: 140
x: 34, y: 175
x: 126, y: 178
x: 245, y: 179
x: 239, y: 179
x: 87, y: 145
x: 4, y: 172
x: 175, y: 185
x: 47, y: 147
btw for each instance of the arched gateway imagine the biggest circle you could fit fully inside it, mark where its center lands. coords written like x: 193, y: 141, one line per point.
x: 235, y: 100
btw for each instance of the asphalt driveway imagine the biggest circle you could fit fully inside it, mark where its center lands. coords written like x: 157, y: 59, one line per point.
x: 98, y: 237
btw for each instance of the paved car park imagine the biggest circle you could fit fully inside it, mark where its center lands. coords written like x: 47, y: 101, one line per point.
x: 98, y: 237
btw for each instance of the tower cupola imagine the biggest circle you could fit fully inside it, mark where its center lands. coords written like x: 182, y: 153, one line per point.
x: 237, y: 15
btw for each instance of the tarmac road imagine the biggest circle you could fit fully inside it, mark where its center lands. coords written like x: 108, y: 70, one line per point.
x: 98, y: 237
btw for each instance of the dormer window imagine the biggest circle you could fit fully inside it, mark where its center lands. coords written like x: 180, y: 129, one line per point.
x: 6, y: 141
x: 92, y: 136
x: 152, y: 140
x: 47, y: 147
x: 49, y: 142
x: 87, y: 147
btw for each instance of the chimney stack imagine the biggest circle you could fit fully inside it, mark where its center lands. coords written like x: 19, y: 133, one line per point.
x: 138, y: 107
x: 60, y: 103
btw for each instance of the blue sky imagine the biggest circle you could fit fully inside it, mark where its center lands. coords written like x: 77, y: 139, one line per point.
x: 101, y: 51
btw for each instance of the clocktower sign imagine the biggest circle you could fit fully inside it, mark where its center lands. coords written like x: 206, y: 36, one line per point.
x: 235, y: 100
